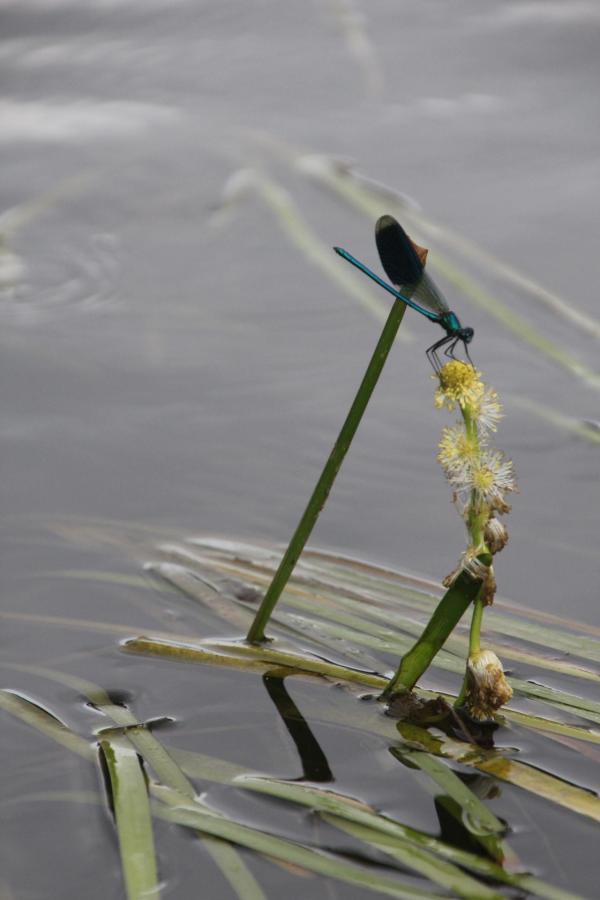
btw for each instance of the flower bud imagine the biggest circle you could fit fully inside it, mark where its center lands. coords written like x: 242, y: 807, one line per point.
x: 499, y: 504
x: 488, y: 688
x: 495, y: 535
x: 488, y: 590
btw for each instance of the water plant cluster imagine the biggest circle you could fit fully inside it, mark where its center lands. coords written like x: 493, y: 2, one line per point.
x: 481, y: 477
x: 339, y: 629
x: 364, y: 616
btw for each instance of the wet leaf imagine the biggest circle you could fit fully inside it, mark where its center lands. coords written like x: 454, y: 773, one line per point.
x: 133, y: 819
x: 195, y: 815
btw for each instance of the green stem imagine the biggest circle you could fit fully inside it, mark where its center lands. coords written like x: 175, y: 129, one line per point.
x: 476, y: 520
x: 445, y: 618
x: 475, y: 632
x: 474, y: 646
x: 256, y: 634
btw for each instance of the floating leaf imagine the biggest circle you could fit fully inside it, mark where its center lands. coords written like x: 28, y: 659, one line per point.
x: 479, y: 819
x: 152, y: 751
x: 412, y: 853
x: 519, y: 774
x: 534, y: 887
x: 233, y: 867
x: 132, y: 817
x: 27, y: 711
x: 197, y: 816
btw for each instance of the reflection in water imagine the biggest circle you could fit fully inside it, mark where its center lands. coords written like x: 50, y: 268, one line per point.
x: 465, y: 821
x: 314, y: 762
x: 466, y: 817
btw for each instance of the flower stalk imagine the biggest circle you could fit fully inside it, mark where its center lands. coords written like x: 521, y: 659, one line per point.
x: 480, y: 478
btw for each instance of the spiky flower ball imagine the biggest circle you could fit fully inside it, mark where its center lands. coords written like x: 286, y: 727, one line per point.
x: 481, y: 477
x: 460, y: 384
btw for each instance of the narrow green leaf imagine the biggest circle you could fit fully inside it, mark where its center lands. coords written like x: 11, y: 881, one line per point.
x: 410, y: 854
x: 200, y: 589
x: 24, y: 709
x: 233, y: 867
x: 543, y: 785
x: 458, y: 800
x: 541, y: 724
x: 133, y: 819
x: 250, y: 658
x: 477, y: 817
x: 330, y: 599
x: 381, y: 833
x: 245, y: 656
x: 533, y: 886
x: 519, y: 774
x: 327, y: 606
x: 194, y: 815
x: 150, y: 749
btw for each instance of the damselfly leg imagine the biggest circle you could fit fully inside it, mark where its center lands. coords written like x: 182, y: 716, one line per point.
x: 431, y: 352
x: 450, y: 342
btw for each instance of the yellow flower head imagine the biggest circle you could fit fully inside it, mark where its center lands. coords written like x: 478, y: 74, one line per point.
x: 459, y: 383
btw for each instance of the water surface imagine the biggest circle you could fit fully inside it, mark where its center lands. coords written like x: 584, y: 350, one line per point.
x: 188, y: 371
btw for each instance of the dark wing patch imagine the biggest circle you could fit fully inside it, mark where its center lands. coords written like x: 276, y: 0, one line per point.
x: 397, y: 253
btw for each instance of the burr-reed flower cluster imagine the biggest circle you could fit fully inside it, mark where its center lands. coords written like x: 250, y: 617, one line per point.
x: 481, y: 477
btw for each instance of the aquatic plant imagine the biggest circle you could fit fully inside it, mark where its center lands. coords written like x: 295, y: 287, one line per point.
x: 480, y: 477
x: 256, y: 632
x: 333, y: 609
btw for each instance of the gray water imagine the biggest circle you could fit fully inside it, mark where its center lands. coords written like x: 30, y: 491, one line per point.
x: 170, y: 365
x: 156, y: 369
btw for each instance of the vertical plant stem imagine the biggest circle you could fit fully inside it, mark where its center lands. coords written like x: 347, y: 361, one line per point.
x: 474, y: 645
x: 256, y: 634
x: 476, y: 520
x: 475, y: 632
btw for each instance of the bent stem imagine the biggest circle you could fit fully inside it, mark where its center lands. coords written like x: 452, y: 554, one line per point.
x: 256, y: 633
x: 448, y: 613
